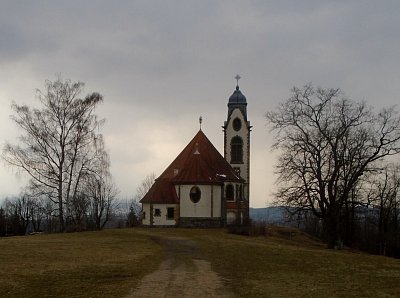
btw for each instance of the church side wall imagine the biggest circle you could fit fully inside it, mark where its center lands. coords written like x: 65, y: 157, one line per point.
x: 217, y: 200
x: 209, y: 204
x: 146, y: 213
x: 160, y: 218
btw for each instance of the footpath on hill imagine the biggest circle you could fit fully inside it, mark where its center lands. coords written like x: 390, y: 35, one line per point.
x: 182, y: 274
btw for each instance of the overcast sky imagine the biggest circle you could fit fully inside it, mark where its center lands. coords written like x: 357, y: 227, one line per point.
x: 162, y: 64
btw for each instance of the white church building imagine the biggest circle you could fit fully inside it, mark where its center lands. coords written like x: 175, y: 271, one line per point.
x: 201, y: 188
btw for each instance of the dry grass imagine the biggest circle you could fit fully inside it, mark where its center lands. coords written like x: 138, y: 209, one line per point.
x: 90, y: 264
x: 293, y: 266
x: 276, y: 267
x: 110, y: 263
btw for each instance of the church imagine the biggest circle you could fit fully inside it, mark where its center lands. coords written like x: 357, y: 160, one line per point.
x: 202, y: 188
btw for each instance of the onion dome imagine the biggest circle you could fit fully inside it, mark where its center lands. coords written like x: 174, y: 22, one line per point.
x: 237, y: 101
x: 237, y: 97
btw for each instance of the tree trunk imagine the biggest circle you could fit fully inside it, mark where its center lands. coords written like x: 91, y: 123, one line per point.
x: 331, y: 231
x: 61, y: 207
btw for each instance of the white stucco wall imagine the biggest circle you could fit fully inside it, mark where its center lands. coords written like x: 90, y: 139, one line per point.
x: 160, y: 220
x: 209, y: 204
x: 244, y: 134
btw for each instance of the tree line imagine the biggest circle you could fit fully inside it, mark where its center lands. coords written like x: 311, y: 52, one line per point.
x: 22, y: 215
x: 337, y: 166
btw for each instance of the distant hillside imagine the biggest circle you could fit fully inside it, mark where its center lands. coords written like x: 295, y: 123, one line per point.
x: 268, y: 214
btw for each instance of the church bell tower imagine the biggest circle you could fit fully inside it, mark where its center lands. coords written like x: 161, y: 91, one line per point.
x: 237, y: 139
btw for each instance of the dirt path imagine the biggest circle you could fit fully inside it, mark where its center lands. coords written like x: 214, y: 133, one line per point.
x: 182, y: 274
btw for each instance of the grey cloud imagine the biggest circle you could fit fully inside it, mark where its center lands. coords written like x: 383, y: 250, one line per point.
x: 163, y: 63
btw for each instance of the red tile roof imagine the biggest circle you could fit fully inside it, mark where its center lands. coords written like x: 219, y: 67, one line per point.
x: 198, y: 163
x: 162, y: 191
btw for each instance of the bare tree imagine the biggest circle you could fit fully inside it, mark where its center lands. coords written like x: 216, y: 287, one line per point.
x: 385, y: 197
x: 145, y: 186
x: 130, y: 208
x: 23, y: 208
x: 327, y: 142
x: 18, y: 211
x: 50, y: 212
x: 3, y: 222
x: 56, y: 140
x: 142, y: 190
x: 101, y: 192
x: 37, y: 213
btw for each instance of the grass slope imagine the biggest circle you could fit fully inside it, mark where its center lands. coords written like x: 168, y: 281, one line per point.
x: 262, y: 268
x: 90, y: 264
x: 110, y: 264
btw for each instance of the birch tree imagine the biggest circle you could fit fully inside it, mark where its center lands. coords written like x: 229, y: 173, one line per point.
x: 56, y: 140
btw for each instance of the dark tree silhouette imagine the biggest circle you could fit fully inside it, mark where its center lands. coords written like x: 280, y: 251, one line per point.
x: 326, y: 143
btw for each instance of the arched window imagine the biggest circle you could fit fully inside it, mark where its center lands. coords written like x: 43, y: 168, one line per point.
x: 236, y: 150
x: 229, y: 193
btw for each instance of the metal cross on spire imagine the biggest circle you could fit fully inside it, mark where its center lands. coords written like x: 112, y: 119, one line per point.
x: 200, y: 121
x: 237, y: 78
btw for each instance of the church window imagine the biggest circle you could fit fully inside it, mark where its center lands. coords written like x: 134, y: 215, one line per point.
x: 157, y: 212
x: 240, y: 193
x: 170, y: 213
x: 229, y: 193
x: 236, y: 150
x: 195, y: 194
x: 237, y: 124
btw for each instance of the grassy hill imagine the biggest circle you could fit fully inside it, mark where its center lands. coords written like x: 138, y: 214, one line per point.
x: 110, y: 263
